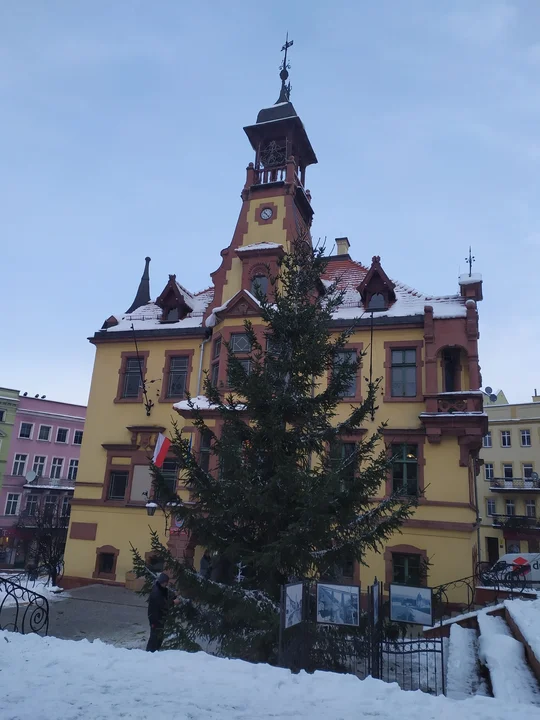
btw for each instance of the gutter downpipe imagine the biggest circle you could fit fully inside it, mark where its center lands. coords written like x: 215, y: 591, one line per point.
x: 201, y: 350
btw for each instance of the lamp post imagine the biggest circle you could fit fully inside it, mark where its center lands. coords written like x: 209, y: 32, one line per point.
x: 151, y: 508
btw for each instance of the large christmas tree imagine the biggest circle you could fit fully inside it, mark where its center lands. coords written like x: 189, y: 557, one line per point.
x: 284, y: 497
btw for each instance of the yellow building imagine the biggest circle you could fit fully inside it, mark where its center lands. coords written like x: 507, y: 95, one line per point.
x: 508, y: 486
x: 425, y: 348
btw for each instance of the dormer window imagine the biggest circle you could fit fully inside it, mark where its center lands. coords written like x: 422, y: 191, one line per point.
x: 259, y: 285
x: 174, y: 301
x: 172, y: 315
x: 377, y: 302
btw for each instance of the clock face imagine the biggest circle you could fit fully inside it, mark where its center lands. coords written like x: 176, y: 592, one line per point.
x: 266, y: 213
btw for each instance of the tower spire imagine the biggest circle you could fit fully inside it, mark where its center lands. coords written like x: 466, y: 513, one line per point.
x: 285, y: 93
x: 143, y: 293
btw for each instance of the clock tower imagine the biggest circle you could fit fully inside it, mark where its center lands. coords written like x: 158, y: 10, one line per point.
x: 276, y: 206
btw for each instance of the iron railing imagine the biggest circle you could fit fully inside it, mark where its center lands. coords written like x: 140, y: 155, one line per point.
x: 515, y: 522
x: 22, y: 610
x: 516, y: 483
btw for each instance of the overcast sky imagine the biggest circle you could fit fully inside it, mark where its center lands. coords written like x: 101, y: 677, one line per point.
x: 122, y: 137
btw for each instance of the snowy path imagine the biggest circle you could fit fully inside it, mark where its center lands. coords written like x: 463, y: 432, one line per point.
x: 526, y: 615
x: 463, y: 677
x: 511, y: 677
x: 48, y: 678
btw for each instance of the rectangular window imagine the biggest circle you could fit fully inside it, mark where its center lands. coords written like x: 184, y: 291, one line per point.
x: 525, y: 438
x: 506, y: 440
x: 339, y: 454
x: 106, y: 563
x: 62, y: 435
x: 56, y: 468
x: 178, y: 370
x: 486, y: 441
x: 530, y: 507
x: 510, y: 507
x: 72, y: 470
x: 169, y: 470
x: 527, y: 470
x: 66, y: 507
x: 2, y: 415
x: 31, y: 507
x: 12, y: 504
x: 204, y: 451
x: 217, y: 349
x: 508, y: 471
x: 239, y: 343
x: 19, y: 464
x: 39, y: 465
x: 491, y: 507
x: 406, y: 569
x: 215, y: 374
x: 50, y: 507
x: 405, y: 469
x: 77, y: 437
x: 403, y: 373
x: 245, y: 363
x: 26, y: 430
x: 132, y: 378
x: 488, y: 469
x: 118, y: 485
x: 45, y: 432
x: 347, y: 357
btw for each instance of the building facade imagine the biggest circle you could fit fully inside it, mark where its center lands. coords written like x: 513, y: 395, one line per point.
x: 9, y: 399
x: 509, y: 484
x: 42, y: 467
x: 424, y: 347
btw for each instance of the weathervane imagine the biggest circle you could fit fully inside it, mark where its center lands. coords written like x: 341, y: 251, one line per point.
x: 470, y: 260
x: 285, y: 93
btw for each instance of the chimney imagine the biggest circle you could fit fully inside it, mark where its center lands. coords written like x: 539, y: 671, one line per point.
x: 343, y: 246
x: 536, y: 396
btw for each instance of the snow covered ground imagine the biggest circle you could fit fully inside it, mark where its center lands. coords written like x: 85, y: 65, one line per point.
x: 48, y: 678
x: 51, y: 592
x: 511, y: 677
x: 463, y: 677
x: 526, y: 615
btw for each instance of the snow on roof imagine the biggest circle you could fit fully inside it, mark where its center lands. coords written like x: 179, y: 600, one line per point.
x: 470, y: 279
x: 211, y: 320
x: 409, y: 302
x: 147, y: 317
x: 260, y: 246
x: 200, y: 402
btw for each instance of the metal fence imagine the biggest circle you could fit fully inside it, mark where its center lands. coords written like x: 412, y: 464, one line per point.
x: 21, y: 609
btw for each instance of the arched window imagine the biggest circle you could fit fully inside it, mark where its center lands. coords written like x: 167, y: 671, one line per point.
x: 377, y: 302
x: 259, y: 285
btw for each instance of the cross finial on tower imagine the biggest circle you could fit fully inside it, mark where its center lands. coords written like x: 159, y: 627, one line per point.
x: 285, y: 93
x: 470, y: 260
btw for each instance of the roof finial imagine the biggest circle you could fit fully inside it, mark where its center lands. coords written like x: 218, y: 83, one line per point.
x: 470, y: 260
x: 285, y: 93
x: 143, y: 293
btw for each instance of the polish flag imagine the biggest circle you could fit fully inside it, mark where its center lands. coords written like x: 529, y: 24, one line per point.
x: 162, y: 448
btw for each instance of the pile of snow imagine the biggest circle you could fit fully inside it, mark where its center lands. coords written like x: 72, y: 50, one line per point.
x: 48, y: 678
x: 511, y: 677
x: 51, y: 592
x: 526, y: 615
x: 463, y: 673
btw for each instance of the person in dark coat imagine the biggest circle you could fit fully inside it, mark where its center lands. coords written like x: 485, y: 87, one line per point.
x: 206, y: 565
x: 159, y: 604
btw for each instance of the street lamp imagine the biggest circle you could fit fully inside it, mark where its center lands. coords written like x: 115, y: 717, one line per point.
x: 151, y: 508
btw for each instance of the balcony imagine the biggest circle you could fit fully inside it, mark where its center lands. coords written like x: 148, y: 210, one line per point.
x: 514, y: 485
x: 515, y: 522
x: 44, y: 483
x: 462, y: 401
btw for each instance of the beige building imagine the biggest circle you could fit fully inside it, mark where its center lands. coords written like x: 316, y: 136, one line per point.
x: 508, y: 484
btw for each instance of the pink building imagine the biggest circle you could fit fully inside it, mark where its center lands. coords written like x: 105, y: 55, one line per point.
x: 41, y: 469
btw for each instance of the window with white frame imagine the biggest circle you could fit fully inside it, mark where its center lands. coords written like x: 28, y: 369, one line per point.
x: 44, y: 432
x: 12, y: 504
x: 530, y: 508
x: 50, y: 506
x: 72, y: 470
x: 508, y: 471
x: 56, y: 468
x: 26, y: 431
x: 39, y: 465
x: 66, y: 506
x: 488, y: 470
x: 31, y: 507
x: 491, y: 507
x: 506, y: 440
x: 486, y: 440
x: 77, y: 437
x: 62, y: 435
x: 510, y: 507
x: 19, y: 464
x: 525, y: 438
x: 527, y: 470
